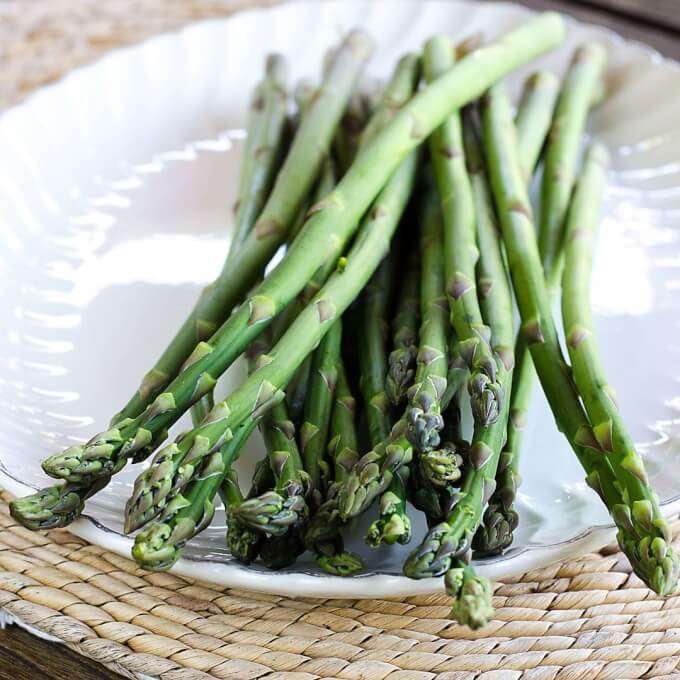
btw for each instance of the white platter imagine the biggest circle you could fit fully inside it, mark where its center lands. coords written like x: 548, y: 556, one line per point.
x: 116, y: 184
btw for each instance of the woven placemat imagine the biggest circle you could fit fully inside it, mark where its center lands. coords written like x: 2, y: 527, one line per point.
x: 589, y: 618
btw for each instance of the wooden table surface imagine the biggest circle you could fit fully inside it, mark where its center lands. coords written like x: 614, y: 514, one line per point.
x: 656, y: 22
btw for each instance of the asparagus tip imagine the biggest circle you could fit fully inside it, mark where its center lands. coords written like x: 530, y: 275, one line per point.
x: 472, y: 597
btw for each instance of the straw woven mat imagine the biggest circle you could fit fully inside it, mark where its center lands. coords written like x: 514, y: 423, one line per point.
x: 585, y: 619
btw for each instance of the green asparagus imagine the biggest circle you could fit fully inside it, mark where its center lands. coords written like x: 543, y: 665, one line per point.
x: 340, y: 210
x: 449, y: 542
x: 159, y: 546
x: 424, y: 411
x: 646, y: 542
x: 375, y: 303
x: 646, y: 532
x: 534, y: 116
x: 136, y: 438
x: 393, y: 524
x: 575, y: 100
x: 533, y: 119
x: 323, y: 536
x: 402, y: 359
x: 262, y: 389
x: 472, y: 596
x: 460, y: 248
x: 262, y: 153
x: 314, y: 430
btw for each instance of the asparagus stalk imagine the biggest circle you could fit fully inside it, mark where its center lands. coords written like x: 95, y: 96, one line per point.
x: 412, y: 124
x: 262, y: 151
x: 293, y: 182
x: 159, y: 546
x: 402, y: 359
x: 297, y: 389
x: 209, y: 359
x: 644, y: 539
x: 424, y: 412
x: 647, y: 532
x: 291, y: 481
x: 393, y: 524
x: 323, y: 536
x: 289, y: 478
x: 534, y: 116
x: 278, y: 509
x: 496, y: 525
x: 290, y: 508
x: 533, y: 119
x: 54, y: 506
x: 243, y: 542
x: 261, y: 159
x: 461, y: 253
x: 375, y: 470
x: 373, y: 356
x: 580, y: 85
x: 314, y: 430
x: 471, y: 596
x: 446, y: 547
x: 262, y: 389
x: 452, y: 539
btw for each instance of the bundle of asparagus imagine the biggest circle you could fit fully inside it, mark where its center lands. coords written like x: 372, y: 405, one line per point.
x: 405, y: 214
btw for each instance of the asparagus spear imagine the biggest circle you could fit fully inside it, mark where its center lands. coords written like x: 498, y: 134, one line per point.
x: 297, y: 388
x: 644, y: 539
x: 375, y: 470
x: 424, y: 396
x: 263, y: 388
x: 156, y: 484
x: 534, y: 117
x: 576, y: 97
x: 498, y: 520
x: 59, y: 505
x: 314, y: 430
x: 159, y: 546
x: 646, y: 529
x: 452, y: 539
x: 262, y: 151
x: 446, y: 547
x: 261, y: 159
x: 289, y: 478
x: 402, y: 359
x: 461, y: 253
x: 54, y: 506
x: 323, y: 536
x: 243, y: 542
x: 291, y: 481
x: 375, y: 303
x: 393, y: 524
x: 471, y: 596
x: 414, y: 122
x: 209, y: 360
x: 501, y: 518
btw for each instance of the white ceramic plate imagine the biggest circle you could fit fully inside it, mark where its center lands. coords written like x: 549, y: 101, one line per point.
x: 116, y: 184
